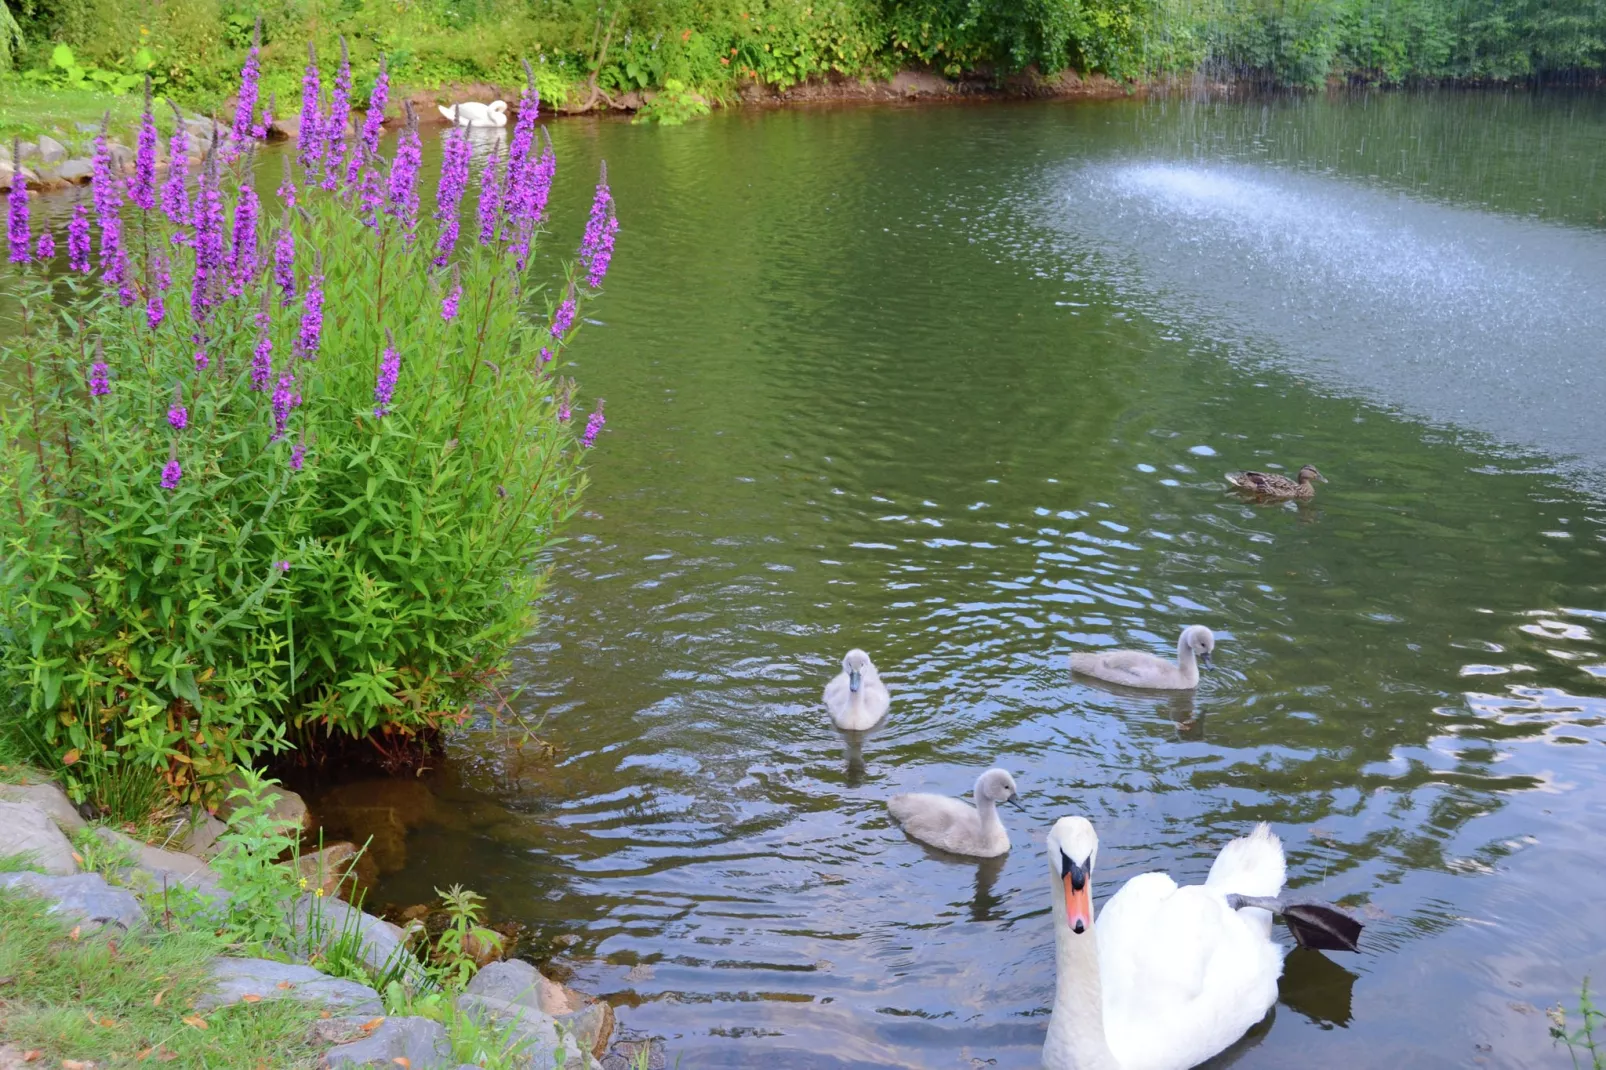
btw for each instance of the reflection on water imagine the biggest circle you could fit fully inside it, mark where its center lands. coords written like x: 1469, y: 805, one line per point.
x: 866, y: 389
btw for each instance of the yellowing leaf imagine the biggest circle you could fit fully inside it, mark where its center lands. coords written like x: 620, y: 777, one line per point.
x: 157, y: 1002
x: 195, y: 1020
x: 250, y: 997
x: 76, y: 931
x: 70, y: 757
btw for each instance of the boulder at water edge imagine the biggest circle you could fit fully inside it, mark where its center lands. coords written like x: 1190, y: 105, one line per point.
x: 28, y: 831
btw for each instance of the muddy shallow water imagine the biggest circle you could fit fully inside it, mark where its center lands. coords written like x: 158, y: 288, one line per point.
x: 957, y: 385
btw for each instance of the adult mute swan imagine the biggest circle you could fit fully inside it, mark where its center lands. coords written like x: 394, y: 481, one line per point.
x: 950, y: 825
x: 1139, y: 668
x: 473, y: 113
x: 856, y: 697
x: 1171, y: 976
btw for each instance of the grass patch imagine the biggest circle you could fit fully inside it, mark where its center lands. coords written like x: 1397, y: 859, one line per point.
x: 128, y: 1001
x: 28, y: 109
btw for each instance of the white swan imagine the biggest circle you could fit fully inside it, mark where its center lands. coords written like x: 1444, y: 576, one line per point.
x: 1139, y: 668
x: 472, y: 113
x: 952, y: 826
x: 856, y: 697
x: 1173, y: 975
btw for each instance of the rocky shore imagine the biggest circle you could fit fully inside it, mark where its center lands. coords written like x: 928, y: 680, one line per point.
x: 540, y: 1020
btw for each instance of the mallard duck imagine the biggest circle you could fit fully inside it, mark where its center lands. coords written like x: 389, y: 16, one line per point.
x: 1272, y: 485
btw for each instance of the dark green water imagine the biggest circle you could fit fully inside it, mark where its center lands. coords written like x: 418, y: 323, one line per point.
x: 957, y: 385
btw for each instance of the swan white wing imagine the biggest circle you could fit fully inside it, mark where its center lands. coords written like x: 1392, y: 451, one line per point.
x: 837, y: 693
x: 1137, y: 668
x: 1183, y: 974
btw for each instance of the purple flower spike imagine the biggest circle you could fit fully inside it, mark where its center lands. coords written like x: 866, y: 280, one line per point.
x: 372, y: 122
x: 209, y: 253
x: 596, y: 248
x: 176, y: 190
x: 490, y: 199
x: 594, y: 424
x: 298, y: 455
x: 518, y: 153
x: 201, y: 360
x: 155, y: 310
x: 371, y: 196
x: 242, y: 256
x: 312, y: 314
x: 178, y: 416
x: 449, y: 193
x: 160, y: 272
x: 17, y: 230
x: 285, y: 400
x: 335, y: 120
x: 260, y: 130
x: 249, y: 75
x: 78, y: 239
x: 402, y: 195
x: 171, y: 473
x: 99, y: 379
x: 44, y: 249
x: 546, y: 357
x: 284, y: 261
x: 563, y: 318
x: 565, y: 414
x: 287, y: 188
x: 108, y: 196
x: 310, y: 137
x: 142, y: 187
x: 450, y: 302
x: 262, y: 362
x: 389, y: 372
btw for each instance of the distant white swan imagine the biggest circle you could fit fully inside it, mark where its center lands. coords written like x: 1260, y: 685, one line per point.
x: 856, y: 697
x: 1139, y: 668
x: 1173, y: 975
x: 952, y: 826
x: 472, y: 113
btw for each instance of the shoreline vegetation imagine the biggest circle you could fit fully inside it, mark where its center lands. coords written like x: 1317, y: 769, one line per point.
x: 63, y: 62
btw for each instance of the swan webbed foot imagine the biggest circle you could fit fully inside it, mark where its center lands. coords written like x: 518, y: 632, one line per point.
x: 1313, y: 924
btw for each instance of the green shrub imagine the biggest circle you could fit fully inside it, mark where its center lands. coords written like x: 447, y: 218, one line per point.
x: 219, y: 540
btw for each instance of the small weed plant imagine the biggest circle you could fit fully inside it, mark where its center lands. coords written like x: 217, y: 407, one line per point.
x: 1581, y: 1043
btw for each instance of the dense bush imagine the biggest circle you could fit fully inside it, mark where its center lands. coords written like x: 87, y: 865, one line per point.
x: 286, y: 472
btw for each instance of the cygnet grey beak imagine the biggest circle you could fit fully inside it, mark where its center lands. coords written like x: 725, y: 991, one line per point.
x: 1204, y: 659
x: 1015, y: 799
x: 853, y: 680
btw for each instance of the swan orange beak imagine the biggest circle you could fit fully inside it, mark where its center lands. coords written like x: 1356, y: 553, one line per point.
x: 1078, y: 899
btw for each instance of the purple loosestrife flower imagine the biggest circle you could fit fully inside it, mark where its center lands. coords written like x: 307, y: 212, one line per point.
x: 490, y: 199
x: 125, y: 290
x: 260, y: 130
x: 172, y: 472
x: 563, y: 318
x: 594, y: 424
x: 282, y: 566
x: 596, y: 248
x: 298, y: 455
x: 544, y: 359
x: 160, y: 272
x: 99, y: 377
x: 108, y: 197
x: 78, y: 239
x: 450, y: 302
x: 309, y: 136
x: 518, y: 152
x: 285, y: 400
x: 373, y: 120
x: 44, y: 249
x: 17, y: 230
x: 262, y: 361
x: 249, y: 75
x: 312, y: 314
x: 529, y: 204
x: 389, y: 372
x: 142, y: 187
x: 155, y: 310
x: 242, y: 256
x: 371, y: 196
x: 565, y: 414
x: 335, y: 120
x: 287, y: 187
x: 208, y: 238
x: 176, y: 190
x: 449, y: 193
x: 201, y: 360
x: 402, y: 195
x: 178, y: 417
x: 284, y: 260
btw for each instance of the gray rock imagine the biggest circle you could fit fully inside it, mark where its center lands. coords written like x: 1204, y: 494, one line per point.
x: 420, y: 1041
x: 26, y: 150
x: 120, y: 155
x: 587, y: 1025
x: 234, y: 979
x: 530, y: 1036
x: 199, y: 836
x: 182, y: 868
x: 49, y: 798
x: 28, y: 831
x: 76, y: 171
x: 51, y: 150
x: 321, y: 920
x: 85, y: 896
x: 289, y: 807
x: 517, y: 981
x: 626, y: 1055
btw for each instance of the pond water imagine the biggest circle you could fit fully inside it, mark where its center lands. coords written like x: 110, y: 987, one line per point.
x: 958, y: 385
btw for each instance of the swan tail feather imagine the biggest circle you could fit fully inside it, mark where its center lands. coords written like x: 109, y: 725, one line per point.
x: 1251, y: 865
x: 449, y: 114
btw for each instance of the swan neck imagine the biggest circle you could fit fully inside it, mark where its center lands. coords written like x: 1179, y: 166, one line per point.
x: 986, y: 809
x: 1076, y: 1028
x: 1186, y: 660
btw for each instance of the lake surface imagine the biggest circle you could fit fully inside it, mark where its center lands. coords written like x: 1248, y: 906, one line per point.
x: 958, y: 385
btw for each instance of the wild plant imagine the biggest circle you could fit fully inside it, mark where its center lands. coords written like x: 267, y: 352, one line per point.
x: 283, y: 469
x: 1580, y: 1040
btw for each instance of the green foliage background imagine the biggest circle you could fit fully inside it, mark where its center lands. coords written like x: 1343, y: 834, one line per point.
x: 717, y: 45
